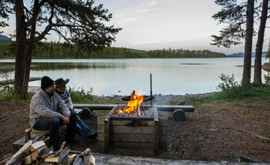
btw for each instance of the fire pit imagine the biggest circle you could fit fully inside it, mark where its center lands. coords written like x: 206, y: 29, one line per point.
x: 131, y: 127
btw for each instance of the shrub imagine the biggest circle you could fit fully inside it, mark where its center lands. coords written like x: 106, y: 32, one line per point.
x: 81, y: 95
x: 227, y: 82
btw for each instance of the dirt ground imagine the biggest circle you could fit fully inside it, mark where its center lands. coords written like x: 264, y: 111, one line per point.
x: 14, y: 120
x: 215, y: 131
x: 224, y: 131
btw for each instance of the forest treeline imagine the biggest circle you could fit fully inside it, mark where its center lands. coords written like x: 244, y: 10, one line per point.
x: 61, y: 50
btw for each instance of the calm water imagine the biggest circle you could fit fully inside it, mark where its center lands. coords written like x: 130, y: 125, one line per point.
x: 170, y: 76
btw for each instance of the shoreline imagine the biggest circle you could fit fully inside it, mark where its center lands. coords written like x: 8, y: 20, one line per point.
x: 116, y: 58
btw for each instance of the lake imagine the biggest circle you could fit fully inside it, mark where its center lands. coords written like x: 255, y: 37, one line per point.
x: 121, y: 76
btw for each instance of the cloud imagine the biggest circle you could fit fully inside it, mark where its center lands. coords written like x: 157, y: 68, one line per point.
x: 126, y: 20
x: 135, y: 12
x: 153, y: 3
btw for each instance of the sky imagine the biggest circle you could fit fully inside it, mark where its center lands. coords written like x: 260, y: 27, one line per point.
x: 157, y: 24
x: 153, y: 24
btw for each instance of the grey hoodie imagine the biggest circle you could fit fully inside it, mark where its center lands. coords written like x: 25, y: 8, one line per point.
x: 44, y: 106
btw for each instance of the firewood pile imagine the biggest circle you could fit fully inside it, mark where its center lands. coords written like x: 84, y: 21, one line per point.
x: 37, y: 152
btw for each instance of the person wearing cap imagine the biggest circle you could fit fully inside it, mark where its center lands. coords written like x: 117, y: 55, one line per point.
x: 49, y: 112
x: 60, y: 88
x: 82, y: 129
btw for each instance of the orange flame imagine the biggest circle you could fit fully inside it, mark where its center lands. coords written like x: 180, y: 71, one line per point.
x: 133, y: 104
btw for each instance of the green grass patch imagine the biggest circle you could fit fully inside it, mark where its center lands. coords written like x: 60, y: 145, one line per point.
x: 7, y: 93
x: 235, y: 94
x: 84, y: 96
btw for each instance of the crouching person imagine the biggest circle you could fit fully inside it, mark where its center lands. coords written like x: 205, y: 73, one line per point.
x: 49, y: 112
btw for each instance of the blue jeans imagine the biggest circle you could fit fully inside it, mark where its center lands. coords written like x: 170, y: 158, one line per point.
x: 53, y: 125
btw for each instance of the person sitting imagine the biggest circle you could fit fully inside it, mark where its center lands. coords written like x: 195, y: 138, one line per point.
x: 79, y: 116
x: 60, y: 88
x: 49, y: 112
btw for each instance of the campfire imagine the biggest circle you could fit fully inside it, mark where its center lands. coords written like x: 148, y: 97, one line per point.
x: 133, y: 107
x: 132, y: 126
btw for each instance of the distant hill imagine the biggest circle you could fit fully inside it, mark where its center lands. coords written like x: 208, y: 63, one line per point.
x: 63, y: 50
x: 4, y: 39
x: 241, y: 54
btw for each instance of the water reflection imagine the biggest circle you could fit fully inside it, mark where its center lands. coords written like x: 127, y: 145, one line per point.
x: 121, y: 76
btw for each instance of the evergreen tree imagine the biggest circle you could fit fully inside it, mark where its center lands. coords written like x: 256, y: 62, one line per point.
x: 239, y: 18
x: 79, y: 22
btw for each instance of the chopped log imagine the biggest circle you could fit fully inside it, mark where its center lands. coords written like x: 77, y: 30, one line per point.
x: 28, y: 160
x: 63, y: 157
x: 35, y: 146
x: 20, y: 153
x: 71, y: 157
x: 51, y: 159
x: 62, y: 147
x: 59, y: 157
x: 78, y: 160
x: 34, y: 155
x: 88, y: 157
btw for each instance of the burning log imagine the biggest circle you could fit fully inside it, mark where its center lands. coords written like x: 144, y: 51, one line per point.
x: 133, y: 107
x: 130, y: 127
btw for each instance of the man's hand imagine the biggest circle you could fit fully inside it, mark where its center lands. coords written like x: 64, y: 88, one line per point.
x: 66, y: 120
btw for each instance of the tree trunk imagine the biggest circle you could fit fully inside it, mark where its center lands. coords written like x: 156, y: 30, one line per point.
x: 259, y: 45
x: 29, y: 50
x: 20, y: 63
x: 24, y: 47
x: 248, y: 43
x: 30, y: 43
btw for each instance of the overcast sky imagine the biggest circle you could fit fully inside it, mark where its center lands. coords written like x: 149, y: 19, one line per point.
x: 150, y: 21
x: 154, y: 24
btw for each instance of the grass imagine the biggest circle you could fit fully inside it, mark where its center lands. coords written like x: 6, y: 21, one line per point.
x: 235, y: 94
x: 231, y: 92
x: 83, y: 96
x: 7, y: 93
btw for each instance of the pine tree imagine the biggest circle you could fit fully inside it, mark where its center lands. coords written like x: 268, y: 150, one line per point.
x: 79, y: 22
x: 239, y: 18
